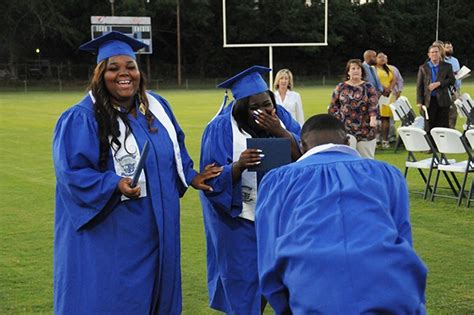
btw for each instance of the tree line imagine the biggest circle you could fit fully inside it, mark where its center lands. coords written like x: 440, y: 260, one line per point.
x: 402, y: 29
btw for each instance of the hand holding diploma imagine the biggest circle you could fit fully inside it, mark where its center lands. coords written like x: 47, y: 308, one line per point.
x: 124, y: 186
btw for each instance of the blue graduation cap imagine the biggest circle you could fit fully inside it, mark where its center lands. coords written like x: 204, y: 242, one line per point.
x: 247, y: 82
x: 113, y: 44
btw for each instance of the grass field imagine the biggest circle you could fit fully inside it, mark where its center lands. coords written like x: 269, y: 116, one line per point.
x: 443, y: 234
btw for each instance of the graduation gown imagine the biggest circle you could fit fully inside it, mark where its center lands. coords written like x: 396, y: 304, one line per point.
x: 116, y: 257
x: 334, y: 237
x: 231, y: 243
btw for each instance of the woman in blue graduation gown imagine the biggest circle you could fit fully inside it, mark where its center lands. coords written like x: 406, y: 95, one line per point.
x: 229, y: 209
x: 334, y: 233
x: 117, y: 247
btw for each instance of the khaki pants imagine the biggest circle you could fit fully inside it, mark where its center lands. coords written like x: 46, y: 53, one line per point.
x: 367, y: 148
x: 453, y: 116
x: 453, y: 111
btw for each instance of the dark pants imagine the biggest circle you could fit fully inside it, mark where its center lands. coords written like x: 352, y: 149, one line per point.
x: 438, y: 116
x: 453, y: 115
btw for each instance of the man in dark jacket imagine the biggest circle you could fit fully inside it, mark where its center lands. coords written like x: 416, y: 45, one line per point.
x: 434, y: 78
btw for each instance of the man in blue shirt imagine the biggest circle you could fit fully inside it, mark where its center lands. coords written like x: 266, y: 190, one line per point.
x: 432, y: 89
x: 370, y: 74
x: 453, y: 113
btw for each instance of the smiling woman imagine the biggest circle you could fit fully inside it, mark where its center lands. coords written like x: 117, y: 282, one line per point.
x: 122, y: 79
x: 117, y: 246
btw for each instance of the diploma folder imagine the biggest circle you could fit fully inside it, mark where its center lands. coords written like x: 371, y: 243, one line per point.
x: 140, y: 165
x: 277, y: 152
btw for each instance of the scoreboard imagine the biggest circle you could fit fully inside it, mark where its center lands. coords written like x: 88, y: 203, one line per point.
x: 134, y: 26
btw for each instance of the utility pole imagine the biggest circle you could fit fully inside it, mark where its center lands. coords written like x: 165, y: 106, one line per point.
x: 112, y: 7
x: 178, y: 41
x: 437, y: 21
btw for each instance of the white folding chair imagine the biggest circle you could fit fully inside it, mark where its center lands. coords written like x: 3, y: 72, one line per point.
x: 450, y: 141
x: 466, y: 98
x: 464, y: 106
x: 462, y: 112
x: 408, y: 110
x: 416, y: 140
x: 460, y: 108
x: 403, y: 109
x: 396, y: 111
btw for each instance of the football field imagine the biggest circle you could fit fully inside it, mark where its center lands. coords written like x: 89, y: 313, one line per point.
x: 443, y: 234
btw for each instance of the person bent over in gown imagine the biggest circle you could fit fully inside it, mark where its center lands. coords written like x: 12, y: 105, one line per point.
x: 333, y: 232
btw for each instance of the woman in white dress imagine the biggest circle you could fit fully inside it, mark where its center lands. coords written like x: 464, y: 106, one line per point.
x: 285, y: 96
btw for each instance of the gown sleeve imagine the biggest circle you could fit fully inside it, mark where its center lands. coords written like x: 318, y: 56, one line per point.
x: 216, y: 147
x: 188, y: 164
x: 82, y: 188
x: 335, y: 105
x: 269, y: 217
x: 290, y: 123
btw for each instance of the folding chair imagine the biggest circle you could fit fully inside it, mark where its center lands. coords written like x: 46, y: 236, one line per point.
x: 408, y: 110
x: 465, y: 105
x: 463, y: 112
x: 403, y: 111
x: 451, y: 141
x: 416, y: 140
x: 397, y: 113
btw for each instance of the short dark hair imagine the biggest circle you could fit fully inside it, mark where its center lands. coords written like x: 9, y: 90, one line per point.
x: 322, y: 129
x: 322, y: 122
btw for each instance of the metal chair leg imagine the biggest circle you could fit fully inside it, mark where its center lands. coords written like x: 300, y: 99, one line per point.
x: 428, y: 187
x: 461, y: 190
x: 470, y: 193
x: 398, y: 143
x: 435, y: 186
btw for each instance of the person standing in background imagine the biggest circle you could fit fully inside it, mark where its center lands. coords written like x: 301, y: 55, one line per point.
x: 370, y: 75
x: 387, y: 78
x: 284, y: 95
x: 453, y: 112
x: 397, y: 92
x: 432, y: 89
x: 354, y: 102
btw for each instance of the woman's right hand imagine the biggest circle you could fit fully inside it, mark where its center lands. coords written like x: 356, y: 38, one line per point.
x: 249, y: 157
x: 129, y: 192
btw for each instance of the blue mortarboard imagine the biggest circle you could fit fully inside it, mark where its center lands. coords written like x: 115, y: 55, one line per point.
x: 247, y: 82
x: 113, y: 44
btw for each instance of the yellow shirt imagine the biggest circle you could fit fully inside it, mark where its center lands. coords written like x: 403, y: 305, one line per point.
x: 385, y: 79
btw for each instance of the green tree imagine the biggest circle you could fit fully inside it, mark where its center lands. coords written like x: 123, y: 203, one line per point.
x: 26, y: 21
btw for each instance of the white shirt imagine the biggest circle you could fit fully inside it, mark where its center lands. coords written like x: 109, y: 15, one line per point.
x: 293, y: 104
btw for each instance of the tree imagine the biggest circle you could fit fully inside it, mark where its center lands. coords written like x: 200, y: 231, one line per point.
x: 26, y: 21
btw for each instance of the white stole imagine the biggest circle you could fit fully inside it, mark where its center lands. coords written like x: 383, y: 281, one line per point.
x: 126, y: 162
x: 330, y: 147
x: 158, y: 111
